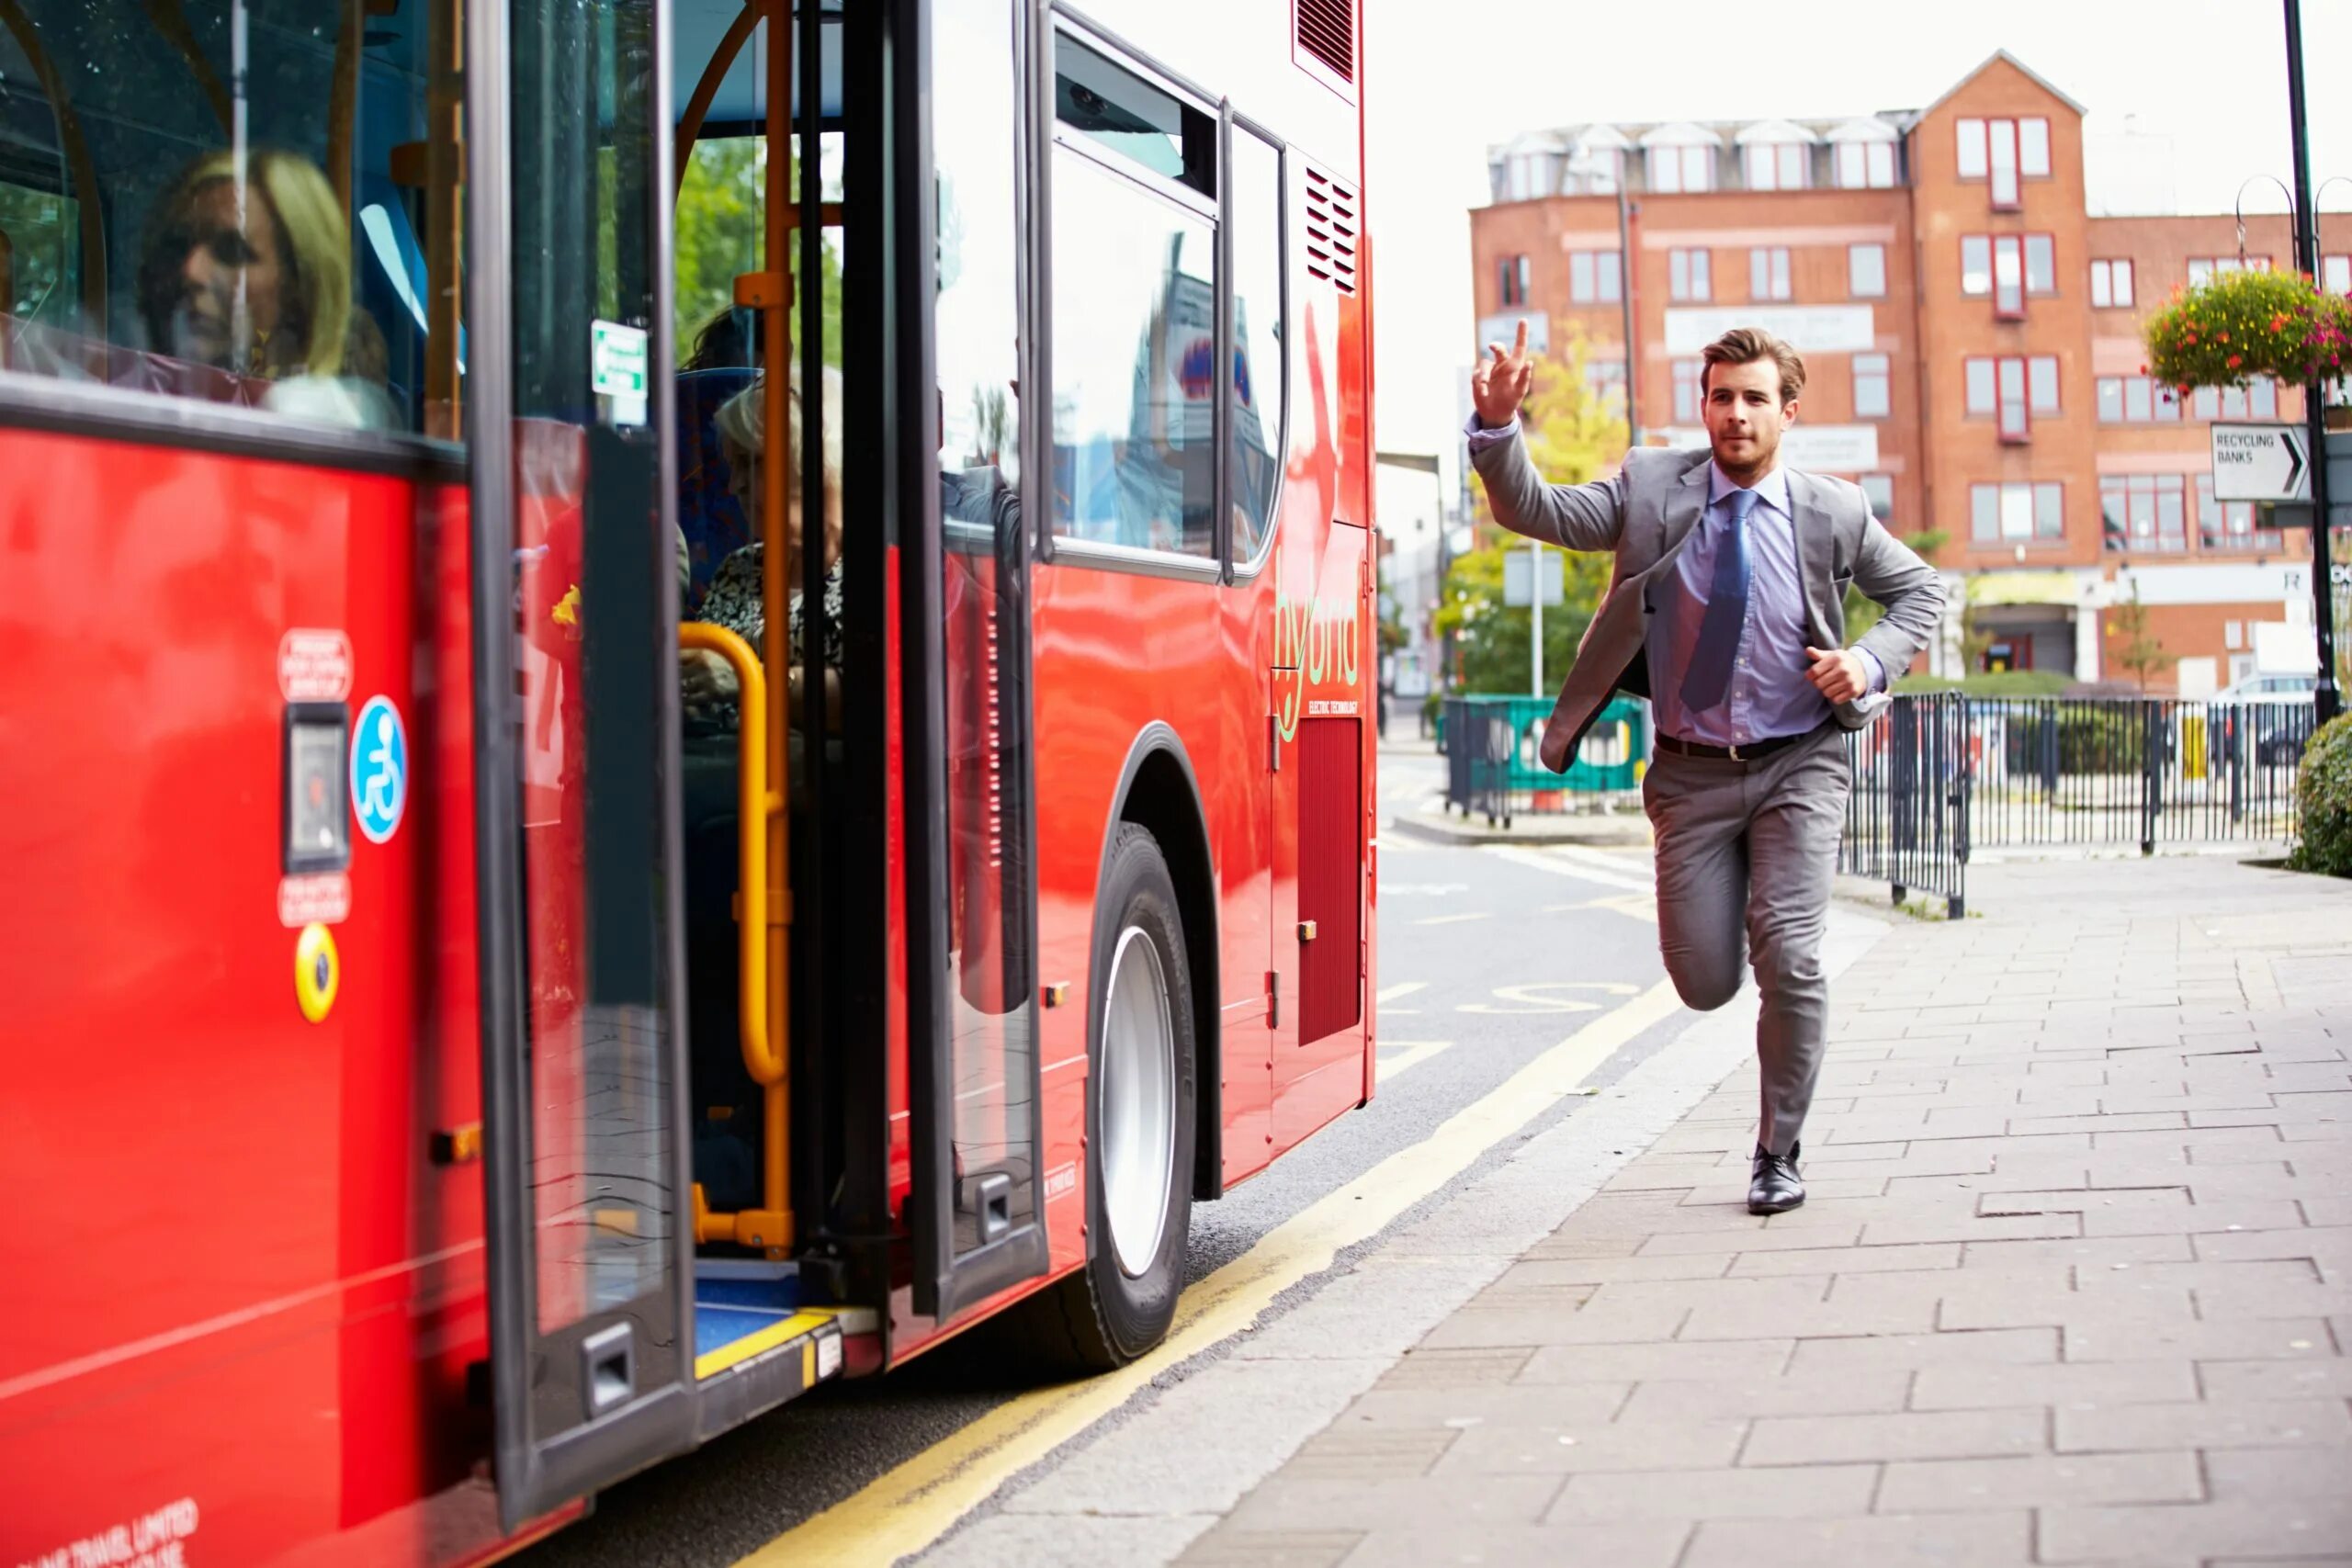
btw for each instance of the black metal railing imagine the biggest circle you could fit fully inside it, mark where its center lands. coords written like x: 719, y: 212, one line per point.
x: 1943, y: 773
x: 1907, y: 817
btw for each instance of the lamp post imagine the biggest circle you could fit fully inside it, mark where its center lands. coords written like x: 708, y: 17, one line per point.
x: 2325, y: 701
x: 1587, y: 164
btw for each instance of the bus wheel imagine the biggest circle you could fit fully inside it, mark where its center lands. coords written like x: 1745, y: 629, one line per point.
x: 1141, y: 1104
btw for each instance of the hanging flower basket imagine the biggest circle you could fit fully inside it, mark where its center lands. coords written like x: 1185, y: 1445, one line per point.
x: 2242, y: 325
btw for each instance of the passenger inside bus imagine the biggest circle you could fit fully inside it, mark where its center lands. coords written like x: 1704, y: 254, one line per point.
x: 245, y: 267
x: 733, y: 599
x: 180, y: 219
x: 727, y: 1130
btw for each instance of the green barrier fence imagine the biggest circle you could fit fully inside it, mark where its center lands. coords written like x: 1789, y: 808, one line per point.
x: 1494, y: 768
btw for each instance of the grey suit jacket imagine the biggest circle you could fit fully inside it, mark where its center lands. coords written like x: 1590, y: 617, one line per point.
x: 1646, y: 515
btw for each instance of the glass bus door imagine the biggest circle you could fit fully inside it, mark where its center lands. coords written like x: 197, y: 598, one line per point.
x: 976, y: 1216
x: 574, y: 603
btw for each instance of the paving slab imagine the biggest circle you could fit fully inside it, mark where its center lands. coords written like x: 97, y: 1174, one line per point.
x: 2074, y: 1286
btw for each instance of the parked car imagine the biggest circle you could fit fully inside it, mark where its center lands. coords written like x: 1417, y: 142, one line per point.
x: 2277, y: 711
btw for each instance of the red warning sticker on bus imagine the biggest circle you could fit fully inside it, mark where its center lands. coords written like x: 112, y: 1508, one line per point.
x: 322, y: 898
x: 313, y: 666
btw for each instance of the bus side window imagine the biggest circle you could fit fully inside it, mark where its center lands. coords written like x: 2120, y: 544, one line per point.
x: 1260, y: 367
x: 1134, y: 310
x: 173, y: 227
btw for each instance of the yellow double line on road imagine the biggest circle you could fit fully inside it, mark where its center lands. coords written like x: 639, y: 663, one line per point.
x: 913, y: 1505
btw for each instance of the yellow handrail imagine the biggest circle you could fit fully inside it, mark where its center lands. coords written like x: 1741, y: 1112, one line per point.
x: 760, y: 1058
x: 757, y: 809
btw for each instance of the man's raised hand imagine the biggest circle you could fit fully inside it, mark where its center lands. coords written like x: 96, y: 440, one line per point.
x: 1499, y: 384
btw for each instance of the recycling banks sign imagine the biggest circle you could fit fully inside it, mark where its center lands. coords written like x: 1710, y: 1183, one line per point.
x: 2261, y: 462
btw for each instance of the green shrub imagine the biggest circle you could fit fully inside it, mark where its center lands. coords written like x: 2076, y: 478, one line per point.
x: 2323, y: 801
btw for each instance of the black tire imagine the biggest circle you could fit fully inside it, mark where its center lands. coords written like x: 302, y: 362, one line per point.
x: 1100, y: 1316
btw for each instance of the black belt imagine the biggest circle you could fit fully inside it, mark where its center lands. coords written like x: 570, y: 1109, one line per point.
x: 1754, y: 752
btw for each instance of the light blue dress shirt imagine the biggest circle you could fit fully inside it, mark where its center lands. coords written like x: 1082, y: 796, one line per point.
x: 1769, y: 694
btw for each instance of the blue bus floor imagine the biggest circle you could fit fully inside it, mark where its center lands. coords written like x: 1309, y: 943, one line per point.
x: 735, y: 1299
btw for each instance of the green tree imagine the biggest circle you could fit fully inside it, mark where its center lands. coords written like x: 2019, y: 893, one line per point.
x: 2134, y: 647
x: 720, y: 233
x: 1572, y: 434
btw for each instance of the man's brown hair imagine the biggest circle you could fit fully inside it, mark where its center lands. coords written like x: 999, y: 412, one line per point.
x: 1746, y: 346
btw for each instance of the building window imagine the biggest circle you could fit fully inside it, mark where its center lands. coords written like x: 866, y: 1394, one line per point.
x: 1779, y: 165
x: 2004, y: 513
x: 2008, y: 278
x: 2002, y: 136
x: 1688, y: 277
x: 1606, y: 379
x: 1686, y: 390
x: 2230, y: 524
x: 2016, y: 414
x: 1596, y: 172
x: 2204, y: 269
x: 1680, y: 170
x: 1768, y: 272
x: 1871, y: 386
x: 2033, y: 149
x: 2000, y: 152
x: 1975, y: 265
x: 1865, y: 166
x: 1879, y: 491
x: 1866, y: 271
x: 1981, y: 399
x: 2136, y: 399
x: 1970, y: 134
x: 1514, y: 273
x: 2144, y: 511
x: 2111, y: 284
x: 2040, y: 264
x: 1595, y: 278
x: 1995, y: 385
x: 2233, y: 632
x: 2257, y: 400
x: 2041, y: 384
x: 2335, y: 274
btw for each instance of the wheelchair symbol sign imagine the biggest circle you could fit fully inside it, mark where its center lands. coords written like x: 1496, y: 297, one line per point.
x: 379, y: 770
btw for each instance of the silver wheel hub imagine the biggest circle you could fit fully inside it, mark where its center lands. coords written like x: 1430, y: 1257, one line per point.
x: 1137, y: 1101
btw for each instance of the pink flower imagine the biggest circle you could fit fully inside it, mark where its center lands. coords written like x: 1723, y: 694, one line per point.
x: 2235, y: 361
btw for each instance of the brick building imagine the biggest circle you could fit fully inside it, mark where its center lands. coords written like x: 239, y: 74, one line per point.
x: 1971, y: 344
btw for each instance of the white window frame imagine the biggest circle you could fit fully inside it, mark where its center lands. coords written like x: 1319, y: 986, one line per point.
x: 2041, y: 378
x: 2047, y: 246
x: 2111, y: 284
x: 1855, y: 279
x: 1687, y: 375
x: 1770, y: 266
x: 1969, y: 136
x: 1983, y: 247
x: 1864, y: 165
x: 1876, y: 371
x: 1689, y: 277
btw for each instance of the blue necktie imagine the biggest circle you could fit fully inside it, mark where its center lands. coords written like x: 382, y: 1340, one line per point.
x: 1709, y: 676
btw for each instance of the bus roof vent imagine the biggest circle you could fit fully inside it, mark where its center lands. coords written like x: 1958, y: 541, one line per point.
x: 1331, y: 227
x: 1326, y: 30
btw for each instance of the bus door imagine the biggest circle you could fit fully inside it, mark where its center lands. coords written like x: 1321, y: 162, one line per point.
x: 574, y: 613
x: 976, y: 1212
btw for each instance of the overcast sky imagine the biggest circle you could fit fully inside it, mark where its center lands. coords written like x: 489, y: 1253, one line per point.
x: 1444, y: 82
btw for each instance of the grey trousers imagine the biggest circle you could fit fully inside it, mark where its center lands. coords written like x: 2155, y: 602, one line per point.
x: 1746, y: 853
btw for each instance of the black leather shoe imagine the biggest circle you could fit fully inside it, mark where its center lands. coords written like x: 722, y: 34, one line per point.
x: 1775, y: 1188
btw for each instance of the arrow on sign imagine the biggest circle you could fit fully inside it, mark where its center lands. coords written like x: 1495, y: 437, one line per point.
x: 2296, y: 462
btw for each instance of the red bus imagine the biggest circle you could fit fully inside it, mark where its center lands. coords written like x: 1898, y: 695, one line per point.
x: 497, y: 994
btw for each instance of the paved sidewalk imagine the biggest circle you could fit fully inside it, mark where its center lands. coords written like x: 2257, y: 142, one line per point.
x: 2074, y: 1285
